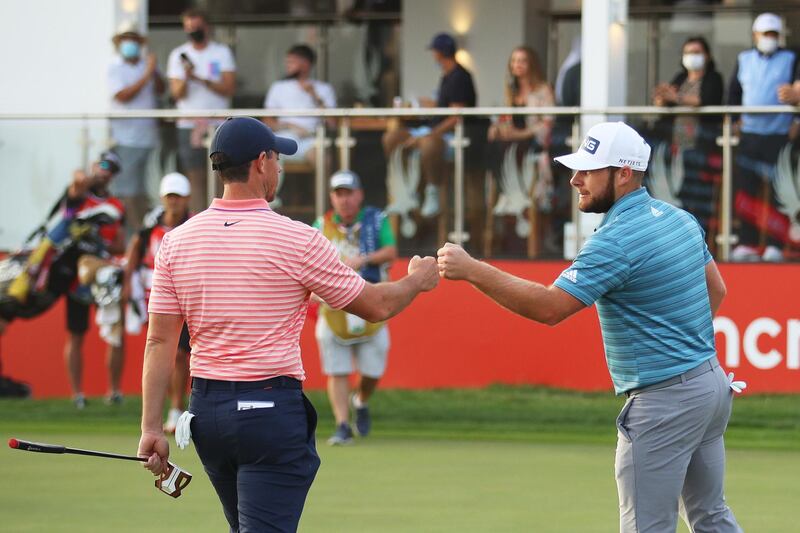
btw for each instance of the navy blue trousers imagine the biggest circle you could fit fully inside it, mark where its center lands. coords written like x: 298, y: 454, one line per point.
x: 256, y: 442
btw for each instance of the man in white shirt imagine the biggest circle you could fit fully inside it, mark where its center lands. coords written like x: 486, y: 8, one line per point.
x: 299, y: 91
x: 134, y: 82
x: 202, y: 75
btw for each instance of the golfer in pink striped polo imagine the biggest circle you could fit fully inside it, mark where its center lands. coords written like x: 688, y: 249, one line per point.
x: 240, y: 275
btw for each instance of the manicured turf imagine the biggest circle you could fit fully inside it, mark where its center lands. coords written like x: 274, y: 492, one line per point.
x: 501, y: 459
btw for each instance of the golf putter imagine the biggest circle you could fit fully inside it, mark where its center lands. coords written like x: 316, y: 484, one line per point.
x: 173, y: 481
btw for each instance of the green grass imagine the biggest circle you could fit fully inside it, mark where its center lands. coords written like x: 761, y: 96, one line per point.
x: 531, y: 414
x: 498, y: 459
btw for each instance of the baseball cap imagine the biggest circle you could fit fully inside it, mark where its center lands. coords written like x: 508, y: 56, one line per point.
x: 128, y: 30
x: 609, y: 144
x: 768, y: 22
x: 110, y: 161
x: 345, y: 179
x: 242, y: 139
x: 444, y: 43
x: 175, y: 183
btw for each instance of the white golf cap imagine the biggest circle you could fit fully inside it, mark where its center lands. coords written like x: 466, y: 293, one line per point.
x: 175, y: 183
x: 345, y: 179
x: 768, y: 22
x: 609, y: 144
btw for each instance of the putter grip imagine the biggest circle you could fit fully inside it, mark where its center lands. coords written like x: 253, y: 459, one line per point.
x: 36, y: 446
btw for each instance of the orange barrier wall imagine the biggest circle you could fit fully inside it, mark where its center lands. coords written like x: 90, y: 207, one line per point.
x: 456, y: 337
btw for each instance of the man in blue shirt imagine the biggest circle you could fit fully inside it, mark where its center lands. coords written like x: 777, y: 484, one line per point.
x: 764, y: 75
x: 657, y: 288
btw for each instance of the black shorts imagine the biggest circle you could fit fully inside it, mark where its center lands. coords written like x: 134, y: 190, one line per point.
x: 183, y: 343
x: 77, y: 315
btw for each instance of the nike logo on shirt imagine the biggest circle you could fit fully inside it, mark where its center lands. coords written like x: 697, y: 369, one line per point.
x: 231, y: 223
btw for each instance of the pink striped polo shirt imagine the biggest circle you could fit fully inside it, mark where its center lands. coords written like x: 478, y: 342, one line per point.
x: 241, y: 274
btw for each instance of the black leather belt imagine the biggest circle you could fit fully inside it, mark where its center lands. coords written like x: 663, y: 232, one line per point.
x: 706, y: 366
x: 279, y: 382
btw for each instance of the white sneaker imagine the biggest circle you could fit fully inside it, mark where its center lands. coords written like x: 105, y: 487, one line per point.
x: 744, y: 254
x: 773, y: 254
x: 430, y: 205
x: 172, y: 420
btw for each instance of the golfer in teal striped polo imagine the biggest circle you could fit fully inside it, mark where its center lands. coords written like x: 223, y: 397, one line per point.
x: 656, y: 287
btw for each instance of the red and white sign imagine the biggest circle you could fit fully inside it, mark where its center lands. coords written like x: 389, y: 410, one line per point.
x: 456, y: 337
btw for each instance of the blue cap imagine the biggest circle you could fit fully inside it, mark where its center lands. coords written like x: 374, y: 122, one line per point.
x: 242, y: 139
x: 444, y: 43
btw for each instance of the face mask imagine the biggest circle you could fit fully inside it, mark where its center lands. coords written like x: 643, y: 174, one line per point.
x: 129, y: 49
x: 197, y: 36
x: 694, y: 61
x: 767, y: 45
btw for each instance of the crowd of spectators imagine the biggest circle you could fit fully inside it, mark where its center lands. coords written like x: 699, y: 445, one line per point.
x: 530, y: 194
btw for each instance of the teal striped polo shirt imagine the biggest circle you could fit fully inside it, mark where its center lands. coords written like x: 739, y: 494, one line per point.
x: 645, y: 269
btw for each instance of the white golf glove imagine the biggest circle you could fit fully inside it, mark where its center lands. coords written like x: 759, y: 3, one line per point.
x: 183, y: 430
x: 736, y: 386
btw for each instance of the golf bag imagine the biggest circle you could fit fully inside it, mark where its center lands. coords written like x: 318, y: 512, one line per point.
x: 46, y: 267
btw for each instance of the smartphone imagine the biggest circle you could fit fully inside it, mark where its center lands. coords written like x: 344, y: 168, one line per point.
x: 187, y: 63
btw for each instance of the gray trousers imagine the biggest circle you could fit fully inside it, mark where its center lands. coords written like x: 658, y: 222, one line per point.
x: 671, y: 455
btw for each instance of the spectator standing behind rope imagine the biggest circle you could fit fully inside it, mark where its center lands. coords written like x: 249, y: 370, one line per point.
x: 140, y: 259
x: 240, y: 275
x: 134, y: 82
x: 366, y: 243
x: 202, y: 75
x: 657, y: 289
x: 764, y: 75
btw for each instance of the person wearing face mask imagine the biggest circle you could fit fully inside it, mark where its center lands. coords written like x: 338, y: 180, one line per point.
x: 134, y: 83
x: 202, y: 75
x: 764, y: 75
x: 698, y: 83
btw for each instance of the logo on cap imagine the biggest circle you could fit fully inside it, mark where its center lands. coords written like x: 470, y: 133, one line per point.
x: 590, y: 144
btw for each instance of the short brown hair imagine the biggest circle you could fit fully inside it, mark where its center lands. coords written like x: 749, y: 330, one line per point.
x: 235, y: 174
x: 193, y: 12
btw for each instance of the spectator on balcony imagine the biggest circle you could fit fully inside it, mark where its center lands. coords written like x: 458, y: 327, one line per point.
x: 764, y: 75
x: 202, y: 75
x: 698, y: 83
x: 456, y: 89
x: 298, y: 90
x: 134, y: 83
x: 689, y: 141
x: 516, y: 139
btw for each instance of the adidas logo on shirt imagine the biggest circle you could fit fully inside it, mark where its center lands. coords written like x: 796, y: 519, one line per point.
x: 571, y: 275
x: 655, y: 212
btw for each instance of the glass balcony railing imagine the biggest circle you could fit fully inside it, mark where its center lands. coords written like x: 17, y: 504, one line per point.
x: 498, y: 199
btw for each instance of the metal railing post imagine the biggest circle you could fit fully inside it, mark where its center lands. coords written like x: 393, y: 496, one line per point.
x: 211, y: 179
x: 458, y: 236
x: 724, y: 238
x: 85, y: 142
x: 575, y: 140
x: 344, y: 142
x: 319, y: 170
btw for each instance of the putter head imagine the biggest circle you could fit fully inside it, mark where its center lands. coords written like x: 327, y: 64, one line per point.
x: 173, y: 481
